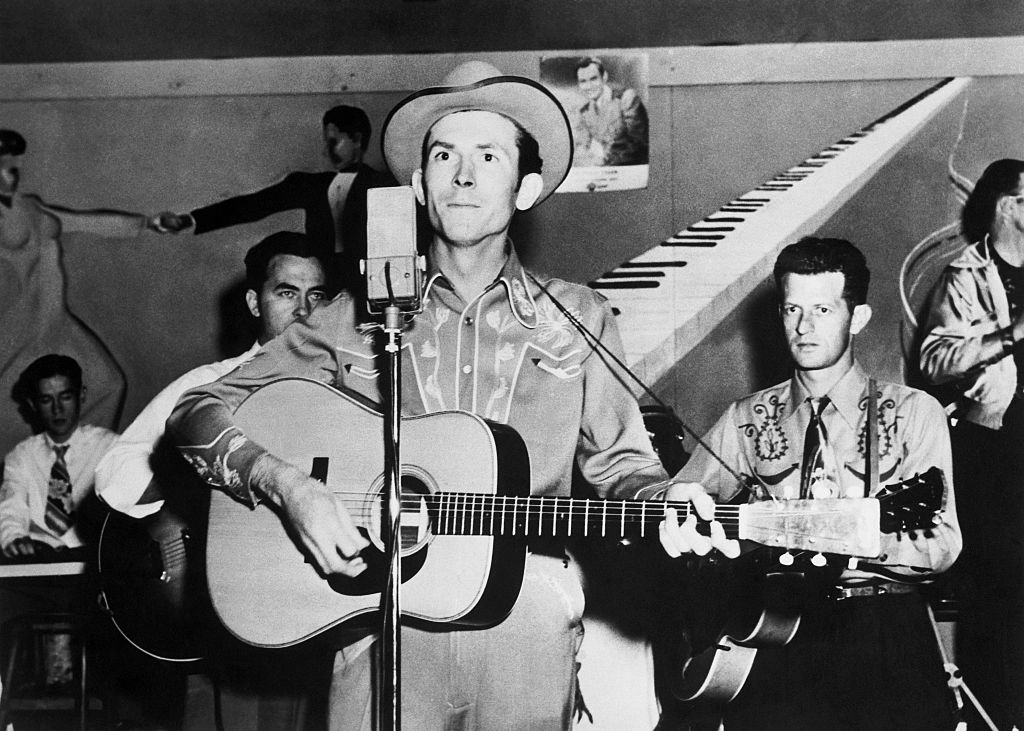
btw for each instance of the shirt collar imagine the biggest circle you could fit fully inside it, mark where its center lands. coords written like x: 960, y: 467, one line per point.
x: 513, y: 277
x: 845, y: 395
x: 66, y: 443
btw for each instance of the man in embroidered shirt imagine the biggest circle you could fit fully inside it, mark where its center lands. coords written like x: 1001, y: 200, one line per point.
x: 47, y: 476
x: 612, y: 126
x: 490, y: 340
x: 867, y: 660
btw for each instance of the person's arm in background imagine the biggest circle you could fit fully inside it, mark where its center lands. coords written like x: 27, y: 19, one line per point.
x: 15, y: 512
x: 285, y: 195
x: 960, y: 338
x: 109, y: 223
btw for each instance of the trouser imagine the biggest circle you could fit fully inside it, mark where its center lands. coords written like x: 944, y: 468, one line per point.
x: 519, y: 674
x: 989, y: 577
x: 863, y: 663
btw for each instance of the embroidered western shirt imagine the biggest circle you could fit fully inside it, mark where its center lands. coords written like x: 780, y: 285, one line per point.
x: 762, y: 436
x: 509, y: 355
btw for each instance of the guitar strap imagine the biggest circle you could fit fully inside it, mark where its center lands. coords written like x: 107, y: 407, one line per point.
x: 871, y: 441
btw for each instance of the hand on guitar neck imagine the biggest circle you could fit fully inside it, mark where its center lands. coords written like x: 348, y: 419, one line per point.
x: 917, y: 553
x: 679, y: 538
x: 319, y: 521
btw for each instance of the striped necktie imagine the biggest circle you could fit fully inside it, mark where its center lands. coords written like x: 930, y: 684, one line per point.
x: 59, y: 516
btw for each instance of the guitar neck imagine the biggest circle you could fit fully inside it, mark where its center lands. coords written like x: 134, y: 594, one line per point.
x: 452, y: 513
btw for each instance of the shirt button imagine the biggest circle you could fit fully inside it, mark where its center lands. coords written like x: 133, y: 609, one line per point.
x: 468, y: 321
x: 467, y: 369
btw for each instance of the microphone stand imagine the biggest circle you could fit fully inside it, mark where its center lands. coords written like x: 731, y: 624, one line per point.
x: 389, y: 702
x: 391, y: 250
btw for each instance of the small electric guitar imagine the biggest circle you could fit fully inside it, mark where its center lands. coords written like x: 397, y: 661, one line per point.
x: 765, y: 601
x: 466, y: 518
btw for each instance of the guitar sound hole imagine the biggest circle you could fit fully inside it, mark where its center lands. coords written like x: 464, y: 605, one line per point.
x: 414, y: 532
x: 415, y: 527
x: 415, y: 524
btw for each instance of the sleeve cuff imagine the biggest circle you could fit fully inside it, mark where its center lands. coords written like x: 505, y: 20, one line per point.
x: 226, y: 463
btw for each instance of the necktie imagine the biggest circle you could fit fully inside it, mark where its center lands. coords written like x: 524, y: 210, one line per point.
x: 58, y: 502
x: 812, y: 446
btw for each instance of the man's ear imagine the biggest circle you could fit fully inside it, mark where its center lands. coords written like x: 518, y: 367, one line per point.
x: 861, y: 315
x: 81, y: 395
x: 417, y: 186
x: 529, y: 191
x: 1002, y: 204
x: 252, y: 301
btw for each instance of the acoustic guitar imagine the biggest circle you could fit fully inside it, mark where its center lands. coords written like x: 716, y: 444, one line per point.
x: 153, y: 585
x: 152, y: 571
x: 467, y: 516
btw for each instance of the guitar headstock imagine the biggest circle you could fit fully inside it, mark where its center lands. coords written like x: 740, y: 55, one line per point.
x: 912, y: 504
x: 847, y: 526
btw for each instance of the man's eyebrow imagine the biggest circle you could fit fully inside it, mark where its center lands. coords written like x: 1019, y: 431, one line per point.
x: 285, y: 285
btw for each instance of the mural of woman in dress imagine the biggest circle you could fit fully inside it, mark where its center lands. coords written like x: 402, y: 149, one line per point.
x: 34, y: 316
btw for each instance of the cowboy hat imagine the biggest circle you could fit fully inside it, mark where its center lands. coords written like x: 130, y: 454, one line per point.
x: 480, y: 86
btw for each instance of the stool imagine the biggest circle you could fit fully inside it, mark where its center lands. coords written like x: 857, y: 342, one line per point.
x: 23, y: 637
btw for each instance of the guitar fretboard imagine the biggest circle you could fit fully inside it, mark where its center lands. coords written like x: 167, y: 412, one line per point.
x: 453, y: 513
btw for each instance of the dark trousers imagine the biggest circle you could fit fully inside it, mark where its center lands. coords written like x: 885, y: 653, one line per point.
x: 989, y: 576
x: 861, y: 663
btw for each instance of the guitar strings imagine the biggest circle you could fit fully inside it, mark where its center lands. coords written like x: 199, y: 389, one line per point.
x: 450, y: 507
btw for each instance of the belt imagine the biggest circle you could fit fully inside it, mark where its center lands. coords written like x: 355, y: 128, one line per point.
x: 839, y: 593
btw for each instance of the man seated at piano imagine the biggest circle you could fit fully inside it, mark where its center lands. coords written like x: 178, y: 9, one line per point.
x: 864, y: 654
x: 48, y: 476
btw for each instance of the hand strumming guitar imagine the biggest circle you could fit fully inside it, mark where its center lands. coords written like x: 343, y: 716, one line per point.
x: 678, y: 538
x: 323, y: 526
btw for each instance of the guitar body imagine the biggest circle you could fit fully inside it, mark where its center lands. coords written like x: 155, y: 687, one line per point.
x: 153, y: 582
x: 262, y: 587
x: 764, y: 611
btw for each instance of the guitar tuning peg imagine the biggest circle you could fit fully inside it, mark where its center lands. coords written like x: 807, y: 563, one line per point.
x: 786, y: 559
x: 818, y: 560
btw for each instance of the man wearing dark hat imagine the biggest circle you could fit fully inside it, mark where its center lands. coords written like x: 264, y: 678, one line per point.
x: 491, y: 340
x: 334, y: 202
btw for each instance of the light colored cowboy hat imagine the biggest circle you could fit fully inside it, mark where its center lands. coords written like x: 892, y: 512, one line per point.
x: 479, y: 85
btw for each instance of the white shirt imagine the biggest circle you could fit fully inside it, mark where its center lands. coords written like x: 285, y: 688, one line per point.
x: 124, y: 473
x: 26, y: 482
